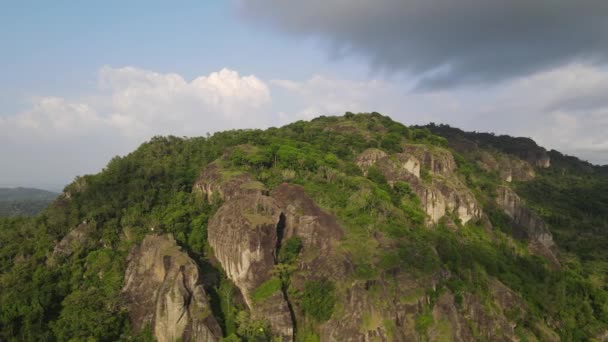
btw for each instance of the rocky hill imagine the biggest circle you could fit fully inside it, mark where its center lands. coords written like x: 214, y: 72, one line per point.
x: 353, y: 228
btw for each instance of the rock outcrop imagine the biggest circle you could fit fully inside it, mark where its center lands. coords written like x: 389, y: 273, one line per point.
x: 243, y: 234
x: 532, y: 226
x: 436, y: 160
x: 163, y: 291
x: 369, y: 157
x: 527, y: 224
x: 249, y: 229
x: 365, y: 318
x: 217, y: 182
x: 508, y: 167
x: 318, y: 230
x: 443, y: 194
x: 244, y: 237
x: 77, y: 238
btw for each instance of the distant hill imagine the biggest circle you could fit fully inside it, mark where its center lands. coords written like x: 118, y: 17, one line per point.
x: 24, y: 201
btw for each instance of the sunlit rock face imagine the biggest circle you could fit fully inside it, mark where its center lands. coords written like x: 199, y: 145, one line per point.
x: 163, y: 291
x: 217, y: 183
x: 244, y: 237
x: 439, y: 190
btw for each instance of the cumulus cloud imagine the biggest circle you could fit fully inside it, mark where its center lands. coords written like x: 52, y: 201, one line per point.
x: 448, y: 42
x: 151, y: 103
x: 75, y: 136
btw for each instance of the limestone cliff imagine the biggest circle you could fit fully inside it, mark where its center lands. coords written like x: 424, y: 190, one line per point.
x: 440, y: 195
x: 163, y: 291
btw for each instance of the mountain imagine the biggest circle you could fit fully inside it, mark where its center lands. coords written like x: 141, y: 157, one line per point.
x: 24, y: 201
x: 352, y: 228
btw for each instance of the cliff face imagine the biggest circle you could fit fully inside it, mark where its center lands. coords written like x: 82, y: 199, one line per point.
x: 318, y: 230
x: 162, y: 290
x: 528, y: 225
x: 509, y: 168
x: 244, y: 236
x: 441, y: 195
x: 247, y: 232
x: 532, y: 226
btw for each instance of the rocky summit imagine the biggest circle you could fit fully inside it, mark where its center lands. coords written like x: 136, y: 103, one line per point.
x: 350, y: 228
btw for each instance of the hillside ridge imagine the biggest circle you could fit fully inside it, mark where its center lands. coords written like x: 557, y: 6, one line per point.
x: 350, y: 228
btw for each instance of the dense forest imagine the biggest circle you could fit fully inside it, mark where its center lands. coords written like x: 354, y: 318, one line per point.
x: 391, y: 241
x: 24, y: 201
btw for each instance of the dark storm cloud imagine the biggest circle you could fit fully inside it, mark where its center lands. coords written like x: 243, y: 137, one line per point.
x: 449, y: 42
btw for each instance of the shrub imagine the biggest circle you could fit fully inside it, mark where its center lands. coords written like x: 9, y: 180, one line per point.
x: 266, y: 289
x: 290, y: 250
x: 318, y: 299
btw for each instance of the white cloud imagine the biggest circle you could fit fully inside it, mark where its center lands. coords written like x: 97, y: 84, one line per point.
x: 147, y: 103
x: 52, y: 116
x: 58, y: 138
x: 131, y: 106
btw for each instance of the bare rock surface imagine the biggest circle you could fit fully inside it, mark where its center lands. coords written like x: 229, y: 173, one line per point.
x: 509, y: 168
x: 216, y: 182
x: 534, y: 228
x: 163, y: 290
x: 318, y: 230
x: 244, y: 237
x: 528, y: 225
x: 440, y: 196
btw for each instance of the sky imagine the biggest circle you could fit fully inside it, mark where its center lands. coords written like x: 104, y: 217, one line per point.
x: 81, y: 83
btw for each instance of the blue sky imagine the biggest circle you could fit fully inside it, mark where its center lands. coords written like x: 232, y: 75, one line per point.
x: 82, y: 82
x: 60, y: 45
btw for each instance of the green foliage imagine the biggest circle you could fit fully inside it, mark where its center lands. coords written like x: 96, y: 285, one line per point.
x: 424, y: 322
x: 391, y: 142
x: 266, y: 289
x: 85, y: 315
x: 251, y: 330
x: 319, y: 299
x: 374, y: 174
x: 290, y: 250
